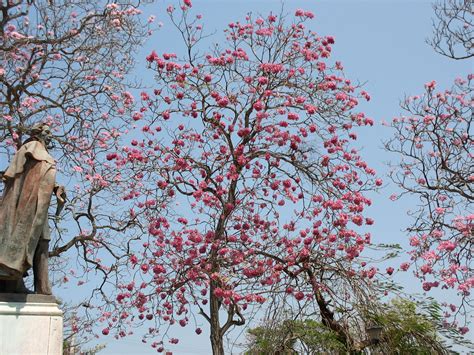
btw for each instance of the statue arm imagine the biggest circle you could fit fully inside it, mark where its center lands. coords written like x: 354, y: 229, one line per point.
x: 60, y: 193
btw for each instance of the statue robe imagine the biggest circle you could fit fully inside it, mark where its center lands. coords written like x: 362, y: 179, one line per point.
x: 29, y: 183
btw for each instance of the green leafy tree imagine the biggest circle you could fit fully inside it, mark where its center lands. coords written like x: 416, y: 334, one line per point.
x: 399, y: 327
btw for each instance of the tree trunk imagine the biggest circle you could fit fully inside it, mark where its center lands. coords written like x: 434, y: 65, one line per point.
x: 217, y: 342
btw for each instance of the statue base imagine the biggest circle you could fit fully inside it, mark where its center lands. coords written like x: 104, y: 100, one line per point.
x: 30, y: 324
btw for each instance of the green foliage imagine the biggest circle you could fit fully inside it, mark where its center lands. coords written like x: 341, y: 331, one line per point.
x: 406, y: 329
x: 71, y: 349
x: 289, y: 335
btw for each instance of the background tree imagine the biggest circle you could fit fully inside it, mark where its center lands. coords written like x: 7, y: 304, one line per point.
x: 435, y: 143
x: 246, y: 177
x: 404, y: 329
x: 453, y: 29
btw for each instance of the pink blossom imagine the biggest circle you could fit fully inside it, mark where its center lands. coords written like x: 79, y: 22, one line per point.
x: 430, y: 85
x: 447, y: 245
x: 426, y: 269
x: 152, y: 57
x: 404, y: 266
x: 262, y: 80
x: 223, y: 102
x: 293, y: 116
x: 299, y: 295
x: 299, y: 12
x: 258, y: 105
x: 440, y: 210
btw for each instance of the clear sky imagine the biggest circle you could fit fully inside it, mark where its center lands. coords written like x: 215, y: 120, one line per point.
x: 382, y: 44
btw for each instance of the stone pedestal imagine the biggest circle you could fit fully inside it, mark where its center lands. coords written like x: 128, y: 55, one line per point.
x: 30, y: 324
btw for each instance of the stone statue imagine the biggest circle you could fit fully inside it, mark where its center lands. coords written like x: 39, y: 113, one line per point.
x: 24, y: 230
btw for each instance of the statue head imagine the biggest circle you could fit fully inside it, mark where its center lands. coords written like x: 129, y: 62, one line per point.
x: 41, y: 132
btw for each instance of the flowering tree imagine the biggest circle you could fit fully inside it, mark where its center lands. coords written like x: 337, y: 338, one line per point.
x: 436, y: 144
x: 64, y: 63
x: 246, y: 177
x: 453, y: 34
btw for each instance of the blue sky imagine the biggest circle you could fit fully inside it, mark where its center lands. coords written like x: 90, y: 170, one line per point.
x: 382, y: 44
